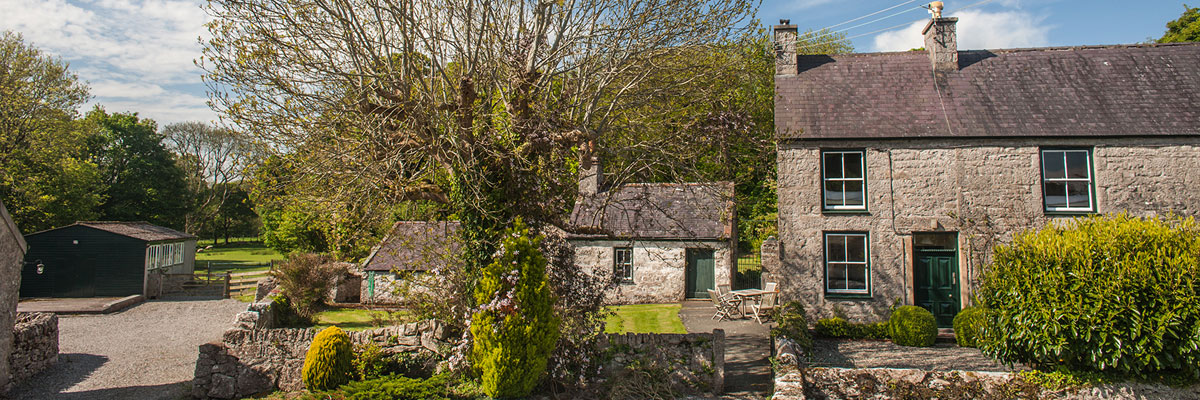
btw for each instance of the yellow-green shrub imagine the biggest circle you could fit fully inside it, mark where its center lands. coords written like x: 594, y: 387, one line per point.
x: 328, y: 363
x: 515, y: 329
x: 968, y: 325
x: 912, y: 326
x: 1105, y: 293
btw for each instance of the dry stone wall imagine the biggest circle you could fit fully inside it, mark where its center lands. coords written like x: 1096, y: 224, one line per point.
x: 659, y: 268
x: 35, y: 345
x: 693, y: 363
x: 985, y: 190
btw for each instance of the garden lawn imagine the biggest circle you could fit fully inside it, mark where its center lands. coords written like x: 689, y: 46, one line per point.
x: 349, y: 319
x: 240, y: 256
x: 644, y: 318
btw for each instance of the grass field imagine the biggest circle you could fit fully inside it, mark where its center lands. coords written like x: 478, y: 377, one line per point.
x: 349, y: 319
x: 644, y: 318
x: 239, y: 256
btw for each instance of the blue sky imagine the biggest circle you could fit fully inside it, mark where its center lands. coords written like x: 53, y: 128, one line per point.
x: 136, y: 55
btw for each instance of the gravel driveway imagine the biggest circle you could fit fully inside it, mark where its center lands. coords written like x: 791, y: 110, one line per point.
x: 145, y: 352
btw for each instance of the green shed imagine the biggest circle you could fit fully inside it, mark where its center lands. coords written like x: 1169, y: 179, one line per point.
x: 103, y: 258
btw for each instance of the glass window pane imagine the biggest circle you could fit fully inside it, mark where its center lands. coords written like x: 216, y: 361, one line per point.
x: 852, y: 165
x: 837, y: 248
x: 833, y: 194
x: 837, y: 276
x: 1077, y: 165
x: 833, y: 165
x: 856, y: 248
x: 856, y: 276
x: 854, y: 193
x: 1078, y: 195
x: 1052, y: 165
x: 1056, y: 194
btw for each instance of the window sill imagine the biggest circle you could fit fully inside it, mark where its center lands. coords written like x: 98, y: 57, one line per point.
x: 848, y: 296
x: 628, y: 282
x: 1069, y: 213
x: 846, y: 212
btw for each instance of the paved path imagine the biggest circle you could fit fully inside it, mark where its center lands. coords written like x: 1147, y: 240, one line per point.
x: 145, y: 352
x: 747, y: 346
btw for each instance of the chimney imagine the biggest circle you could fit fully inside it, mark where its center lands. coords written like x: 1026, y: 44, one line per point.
x: 785, y: 48
x: 591, y: 174
x: 941, y: 41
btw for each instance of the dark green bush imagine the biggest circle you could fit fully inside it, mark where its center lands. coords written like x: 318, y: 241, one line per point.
x: 515, y: 329
x: 329, y: 361
x: 286, y: 315
x: 968, y: 325
x: 398, y: 388
x: 792, y: 322
x: 913, y: 326
x: 371, y: 362
x: 838, y: 327
x: 1115, y: 294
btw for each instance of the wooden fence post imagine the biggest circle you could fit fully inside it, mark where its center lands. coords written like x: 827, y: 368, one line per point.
x: 226, y: 285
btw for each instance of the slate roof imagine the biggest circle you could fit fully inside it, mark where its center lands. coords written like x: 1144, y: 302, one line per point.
x: 690, y: 211
x: 1140, y: 90
x: 416, y: 246
x: 138, y: 230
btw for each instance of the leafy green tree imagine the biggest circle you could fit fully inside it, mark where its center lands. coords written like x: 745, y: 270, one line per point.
x: 515, y: 329
x: 142, y: 180
x: 46, y: 176
x: 1184, y: 29
x: 211, y: 159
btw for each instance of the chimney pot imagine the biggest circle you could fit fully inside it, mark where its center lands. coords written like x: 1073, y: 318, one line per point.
x: 941, y: 41
x: 786, y: 35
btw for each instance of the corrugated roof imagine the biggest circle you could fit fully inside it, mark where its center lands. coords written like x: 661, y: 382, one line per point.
x: 689, y: 211
x: 138, y: 230
x: 416, y: 246
x: 1142, y: 90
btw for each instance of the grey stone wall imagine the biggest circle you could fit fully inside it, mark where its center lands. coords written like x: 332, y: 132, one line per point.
x: 984, y: 189
x: 35, y: 345
x: 659, y: 267
x: 254, y: 358
x: 693, y: 362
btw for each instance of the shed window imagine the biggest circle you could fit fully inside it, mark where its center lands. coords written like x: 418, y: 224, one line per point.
x: 1067, y: 180
x: 623, y: 263
x: 164, y: 255
x: 843, y: 180
x: 847, y: 265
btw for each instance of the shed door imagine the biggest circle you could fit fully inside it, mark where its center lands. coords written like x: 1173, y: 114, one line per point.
x: 701, y: 271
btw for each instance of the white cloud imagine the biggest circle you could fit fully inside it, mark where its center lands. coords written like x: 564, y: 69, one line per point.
x: 134, y: 53
x: 167, y: 109
x: 976, y: 30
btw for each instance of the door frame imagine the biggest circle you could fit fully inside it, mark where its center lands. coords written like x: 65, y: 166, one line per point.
x: 957, y: 265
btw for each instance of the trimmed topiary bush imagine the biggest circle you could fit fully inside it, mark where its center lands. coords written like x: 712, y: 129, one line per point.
x: 968, y: 325
x: 913, y: 326
x: 1114, y: 294
x: 329, y: 361
x: 515, y: 328
x: 838, y: 327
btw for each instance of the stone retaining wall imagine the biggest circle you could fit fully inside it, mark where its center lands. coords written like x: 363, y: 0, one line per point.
x: 693, y: 363
x: 35, y: 345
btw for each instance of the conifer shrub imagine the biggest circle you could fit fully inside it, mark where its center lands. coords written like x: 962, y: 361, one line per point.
x: 329, y: 361
x: 1114, y: 294
x: 515, y: 328
x: 913, y: 326
x: 968, y: 325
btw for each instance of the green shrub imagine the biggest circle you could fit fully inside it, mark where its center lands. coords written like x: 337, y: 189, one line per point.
x: 968, y: 325
x: 792, y: 322
x: 838, y: 327
x: 913, y: 326
x: 515, y: 329
x: 369, y: 362
x: 328, y: 363
x: 398, y: 388
x: 286, y: 315
x: 1116, y: 294
x: 305, y: 279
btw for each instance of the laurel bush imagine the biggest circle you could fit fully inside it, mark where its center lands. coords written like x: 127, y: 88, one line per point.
x: 1113, y: 294
x: 329, y: 361
x: 913, y: 326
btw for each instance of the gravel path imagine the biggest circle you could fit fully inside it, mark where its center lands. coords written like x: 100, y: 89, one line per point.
x: 146, y: 352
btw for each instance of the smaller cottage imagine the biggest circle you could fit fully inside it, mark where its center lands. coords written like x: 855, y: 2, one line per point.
x: 405, y: 255
x: 665, y: 242
x: 12, y: 253
x: 104, y: 259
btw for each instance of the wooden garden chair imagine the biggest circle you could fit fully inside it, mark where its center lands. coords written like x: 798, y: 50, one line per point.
x: 725, y: 309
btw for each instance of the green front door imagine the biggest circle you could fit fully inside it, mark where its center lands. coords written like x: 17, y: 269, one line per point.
x: 936, y: 280
x: 701, y: 269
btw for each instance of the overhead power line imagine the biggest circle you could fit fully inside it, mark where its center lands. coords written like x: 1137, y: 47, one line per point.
x: 830, y: 41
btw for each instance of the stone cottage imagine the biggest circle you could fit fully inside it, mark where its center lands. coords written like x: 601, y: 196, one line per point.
x: 12, y: 256
x: 404, y: 257
x: 898, y: 172
x: 665, y: 242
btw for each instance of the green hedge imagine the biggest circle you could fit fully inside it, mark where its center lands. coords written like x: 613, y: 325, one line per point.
x: 913, y: 326
x: 1105, y: 293
x: 838, y: 327
x: 968, y: 325
x: 792, y: 323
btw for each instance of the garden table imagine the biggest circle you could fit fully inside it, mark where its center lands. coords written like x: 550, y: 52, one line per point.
x: 750, y: 294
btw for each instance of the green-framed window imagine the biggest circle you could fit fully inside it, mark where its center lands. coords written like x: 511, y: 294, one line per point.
x: 848, y: 263
x: 843, y: 180
x: 1068, y: 185
x: 623, y: 263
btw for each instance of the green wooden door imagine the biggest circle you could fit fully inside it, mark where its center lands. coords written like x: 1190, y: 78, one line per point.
x: 936, y: 279
x: 701, y: 271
